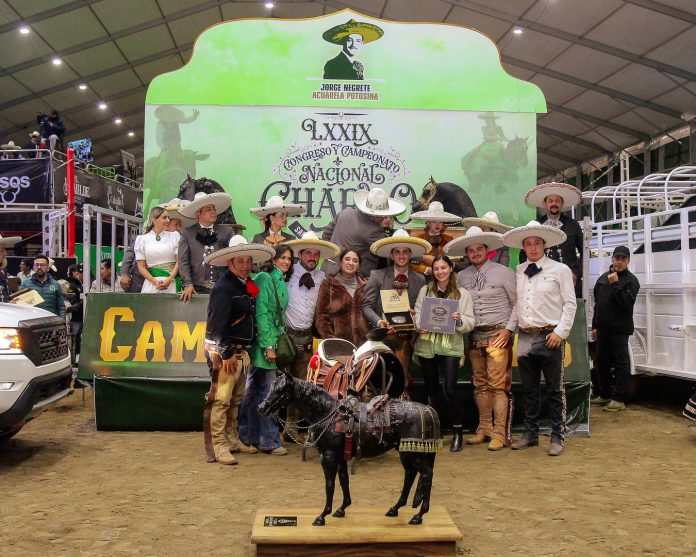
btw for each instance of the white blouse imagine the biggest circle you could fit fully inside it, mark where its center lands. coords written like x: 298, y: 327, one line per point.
x: 147, y: 248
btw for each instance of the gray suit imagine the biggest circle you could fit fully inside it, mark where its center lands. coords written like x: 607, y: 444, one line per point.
x: 192, y: 270
x: 355, y: 230
x: 383, y: 279
x: 129, y: 268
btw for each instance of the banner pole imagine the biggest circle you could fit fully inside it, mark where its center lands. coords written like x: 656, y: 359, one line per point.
x: 70, y: 186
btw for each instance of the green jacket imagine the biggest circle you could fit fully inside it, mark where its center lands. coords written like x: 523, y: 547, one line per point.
x: 269, y: 330
x: 50, y: 292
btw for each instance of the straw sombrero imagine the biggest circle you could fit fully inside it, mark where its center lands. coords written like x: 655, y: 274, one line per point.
x: 473, y: 235
x: 400, y: 238
x: 10, y: 146
x: 174, y: 207
x: 221, y: 200
x: 276, y: 204
x: 435, y: 213
x: 9, y: 241
x: 309, y: 240
x: 570, y: 194
x: 367, y: 31
x: 239, y: 247
x: 377, y: 203
x: 490, y: 219
x: 552, y: 236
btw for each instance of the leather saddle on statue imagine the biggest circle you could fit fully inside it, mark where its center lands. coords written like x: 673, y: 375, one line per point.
x: 360, y: 418
x: 335, y: 368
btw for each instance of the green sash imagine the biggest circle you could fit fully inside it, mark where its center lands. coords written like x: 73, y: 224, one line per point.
x: 155, y: 272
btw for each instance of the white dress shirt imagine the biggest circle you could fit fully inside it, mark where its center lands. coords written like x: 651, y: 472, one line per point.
x: 302, y: 303
x: 548, y: 298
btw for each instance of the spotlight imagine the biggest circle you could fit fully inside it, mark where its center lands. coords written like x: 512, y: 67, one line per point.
x: 517, y: 30
x: 117, y: 121
x: 102, y: 106
x: 131, y: 134
x: 269, y: 5
x: 24, y: 30
x: 57, y: 61
x: 82, y: 86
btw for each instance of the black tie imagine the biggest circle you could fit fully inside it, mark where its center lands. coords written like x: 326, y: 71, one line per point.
x: 532, y: 270
x: 307, y: 281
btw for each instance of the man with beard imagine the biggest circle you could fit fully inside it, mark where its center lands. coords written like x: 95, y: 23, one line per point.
x: 202, y: 239
x: 400, y: 277
x: 303, y: 290
x: 554, y: 198
x: 47, y: 287
x: 4, y: 286
x: 230, y: 331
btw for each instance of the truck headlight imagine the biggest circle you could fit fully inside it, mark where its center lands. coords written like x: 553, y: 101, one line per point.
x: 10, y: 342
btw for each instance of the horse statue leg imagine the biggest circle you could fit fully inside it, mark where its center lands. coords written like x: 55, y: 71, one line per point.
x: 424, y: 463
x: 409, y: 478
x: 345, y: 487
x: 329, y: 463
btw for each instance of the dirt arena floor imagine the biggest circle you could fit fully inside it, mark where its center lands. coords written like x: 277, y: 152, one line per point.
x: 70, y: 490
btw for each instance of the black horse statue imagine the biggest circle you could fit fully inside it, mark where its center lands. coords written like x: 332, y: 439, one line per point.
x: 191, y: 186
x: 453, y: 197
x: 338, y: 428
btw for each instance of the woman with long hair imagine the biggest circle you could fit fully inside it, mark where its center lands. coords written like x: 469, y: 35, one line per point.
x: 255, y: 429
x: 157, y: 254
x: 436, y: 220
x: 339, y: 304
x: 440, y: 353
x: 274, y: 217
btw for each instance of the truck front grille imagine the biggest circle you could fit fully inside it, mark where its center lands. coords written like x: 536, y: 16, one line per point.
x: 44, y: 340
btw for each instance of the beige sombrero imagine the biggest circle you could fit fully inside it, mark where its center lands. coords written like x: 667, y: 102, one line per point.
x: 277, y: 204
x: 174, y: 207
x: 490, y: 219
x: 436, y: 213
x: 367, y: 31
x: 570, y: 194
x: 239, y: 247
x: 9, y: 241
x: 377, y: 203
x: 10, y: 146
x: 221, y: 200
x: 473, y: 235
x: 309, y: 240
x: 400, y: 238
x: 552, y: 236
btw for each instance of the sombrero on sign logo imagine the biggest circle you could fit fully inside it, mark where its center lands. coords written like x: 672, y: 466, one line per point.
x: 309, y: 240
x: 552, y: 236
x: 367, y: 31
x: 473, y: 235
x: 400, y: 239
x: 570, y: 194
x: 239, y: 247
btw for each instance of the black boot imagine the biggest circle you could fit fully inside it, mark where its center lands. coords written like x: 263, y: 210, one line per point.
x: 456, y: 445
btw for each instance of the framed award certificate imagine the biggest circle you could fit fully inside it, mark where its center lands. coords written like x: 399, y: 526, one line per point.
x: 436, y: 315
x: 396, y: 309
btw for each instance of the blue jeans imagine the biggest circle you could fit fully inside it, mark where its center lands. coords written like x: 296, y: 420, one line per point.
x: 255, y: 429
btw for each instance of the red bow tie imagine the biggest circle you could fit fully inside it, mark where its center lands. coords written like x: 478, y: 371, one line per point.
x: 251, y: 288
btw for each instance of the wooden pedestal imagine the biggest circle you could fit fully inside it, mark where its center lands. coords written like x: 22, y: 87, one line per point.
x: 364, y: 531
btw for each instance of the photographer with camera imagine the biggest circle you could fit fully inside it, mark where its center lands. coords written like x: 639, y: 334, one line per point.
x: 52, y: 128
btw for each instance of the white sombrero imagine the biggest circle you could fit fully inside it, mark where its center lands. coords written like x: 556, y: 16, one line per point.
x: 221, y: 200
x: 435, y: 213
x: 174, y: 207
x: 9, y: 241
x: 377, y: 203
x: 10, y: 146
x: 239, y: 247
x: 309, y: 240
x: 490, y: 219
x: 400, y: 238
x: 473, y: 235
x: 570, y: 194
x: 277, y: 204
x: 552, y: 236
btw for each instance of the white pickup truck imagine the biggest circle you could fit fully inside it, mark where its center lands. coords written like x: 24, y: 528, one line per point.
x: 35, y: 370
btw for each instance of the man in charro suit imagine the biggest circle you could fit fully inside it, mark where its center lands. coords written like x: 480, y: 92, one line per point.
x: 202, y: 239
x: 400, y: 248
x: 352, y: 36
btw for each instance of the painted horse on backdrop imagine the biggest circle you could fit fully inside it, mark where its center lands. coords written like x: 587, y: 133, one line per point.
x: 339, y: 427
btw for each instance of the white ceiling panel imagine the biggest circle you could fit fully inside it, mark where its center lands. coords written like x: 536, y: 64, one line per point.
x: 171, y: 6
x: 146, y: 42
x: 69, y: 29
x: 519, y: 73
x: 573, y: 17
x: 660, y: 121
x: 631, y: 120
x: 16, y: 48
x: 532, y: 46
x: 45, y: 75
x: 25, y: 113
x: 244, y: 10
x: 636, y: 29
x: 416, y: 10
x: 514, y: 7
x: 187, y: 30
x: 582, y: 62
x: 490, y: 26
x: 299, y: 10
x: 152, y: 69
x: 369, y: 7
x: 95, y: 59
x: 10, y: 88
x: 686, y: 5
x: 122, y: 14
x: 129, y: 103
x: 597, y: 104
x: 114, y: 83
x: 25, y: 8
x: 70, y: 97
x: 639, y: 81
x: 555, y: 90
x: 680, y: 51
x: 564, y: 123
x: 679, y: 100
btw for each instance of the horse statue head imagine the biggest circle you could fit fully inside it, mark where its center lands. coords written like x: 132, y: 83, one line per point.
x: 453, y: 197
x: 281, y: 395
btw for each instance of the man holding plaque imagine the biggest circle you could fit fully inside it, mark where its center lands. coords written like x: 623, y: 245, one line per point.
x: 390, y: 294
x: 492, y: 288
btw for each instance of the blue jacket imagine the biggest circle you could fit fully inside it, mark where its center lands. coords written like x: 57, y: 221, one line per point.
x: 50, y: 292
